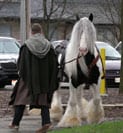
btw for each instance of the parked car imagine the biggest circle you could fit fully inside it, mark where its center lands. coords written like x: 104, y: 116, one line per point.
x: 113, y: 62
x: 9, y: 52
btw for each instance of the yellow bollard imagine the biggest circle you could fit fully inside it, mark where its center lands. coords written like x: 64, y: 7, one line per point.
x: 103, y: 83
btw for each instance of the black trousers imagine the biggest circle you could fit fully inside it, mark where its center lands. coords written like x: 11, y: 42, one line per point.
x: 19, y: 110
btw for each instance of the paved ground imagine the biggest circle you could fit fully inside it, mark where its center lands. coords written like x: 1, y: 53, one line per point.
x: 29, y: 124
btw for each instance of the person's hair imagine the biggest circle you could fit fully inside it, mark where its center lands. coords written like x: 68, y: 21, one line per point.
x: 36, y: 28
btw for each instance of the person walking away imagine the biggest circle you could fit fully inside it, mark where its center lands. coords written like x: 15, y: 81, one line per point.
x: 37, y: 67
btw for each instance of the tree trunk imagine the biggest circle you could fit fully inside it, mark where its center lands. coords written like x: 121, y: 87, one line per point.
x: 121, y: 75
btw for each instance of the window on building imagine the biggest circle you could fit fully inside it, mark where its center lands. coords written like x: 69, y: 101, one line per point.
x: 5, y: 30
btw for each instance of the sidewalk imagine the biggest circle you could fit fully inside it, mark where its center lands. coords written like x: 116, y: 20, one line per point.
x: 29, y: 124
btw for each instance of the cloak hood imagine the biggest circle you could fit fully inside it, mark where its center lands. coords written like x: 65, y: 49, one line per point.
x: 38, y: 45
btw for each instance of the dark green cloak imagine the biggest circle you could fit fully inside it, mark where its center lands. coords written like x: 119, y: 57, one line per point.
x: 40, y: 75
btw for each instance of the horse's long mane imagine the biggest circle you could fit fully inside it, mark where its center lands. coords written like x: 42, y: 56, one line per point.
x: 83, y: 35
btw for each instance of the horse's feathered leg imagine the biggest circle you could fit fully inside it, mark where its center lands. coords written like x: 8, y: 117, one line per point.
x: 95, y: 111
x: 81, y: 103
x: 70, y: 118
x: 56, y: 110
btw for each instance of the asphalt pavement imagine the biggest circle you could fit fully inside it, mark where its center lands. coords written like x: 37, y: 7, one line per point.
x: 29, y: 124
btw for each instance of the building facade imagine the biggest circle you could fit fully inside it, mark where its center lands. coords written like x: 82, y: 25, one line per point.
x: 60, y: 21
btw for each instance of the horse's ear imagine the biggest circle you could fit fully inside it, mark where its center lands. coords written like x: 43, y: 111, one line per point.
x: 91, y: 17
x: 77, y: 17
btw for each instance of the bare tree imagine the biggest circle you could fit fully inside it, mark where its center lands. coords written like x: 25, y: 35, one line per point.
x: 111, y: 9
x: 52, y: 10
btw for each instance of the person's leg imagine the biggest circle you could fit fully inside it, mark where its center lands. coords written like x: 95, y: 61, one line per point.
x: 18, y: 114
x: 46, y: 123
x: 45, y: 114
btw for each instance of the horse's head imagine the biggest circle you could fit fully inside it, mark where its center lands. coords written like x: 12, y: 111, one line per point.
x: 87, y: 36
x: 84, y: 35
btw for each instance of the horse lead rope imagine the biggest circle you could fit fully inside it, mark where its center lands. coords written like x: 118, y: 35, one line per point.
x: 94, y: 61
x: 72, y: 60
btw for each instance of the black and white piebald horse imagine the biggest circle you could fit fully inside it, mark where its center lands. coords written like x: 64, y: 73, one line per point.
x: 84, y: 69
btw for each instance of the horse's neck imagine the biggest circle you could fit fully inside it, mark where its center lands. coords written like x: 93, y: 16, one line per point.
x: 71, y: 52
